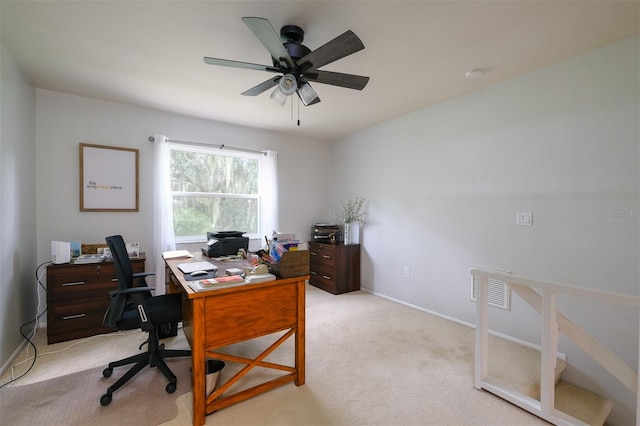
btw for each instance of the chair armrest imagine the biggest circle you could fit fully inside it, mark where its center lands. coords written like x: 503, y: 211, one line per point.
x: 131, y: 290
x: 143, y: 274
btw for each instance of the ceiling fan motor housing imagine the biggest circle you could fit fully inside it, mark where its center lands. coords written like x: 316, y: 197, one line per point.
x: 291, y: 33
x: 292, y: 37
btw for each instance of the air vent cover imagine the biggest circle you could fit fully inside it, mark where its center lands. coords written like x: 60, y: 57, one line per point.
x: 499, y: 292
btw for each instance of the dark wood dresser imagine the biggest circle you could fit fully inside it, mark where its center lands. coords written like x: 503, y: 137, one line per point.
x: 78, y: 297
x: 335, y: 267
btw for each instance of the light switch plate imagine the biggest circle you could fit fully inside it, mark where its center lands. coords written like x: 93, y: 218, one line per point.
x: 524, y: 219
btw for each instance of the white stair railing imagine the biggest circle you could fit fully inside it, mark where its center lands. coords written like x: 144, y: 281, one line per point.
x: 552, y: 322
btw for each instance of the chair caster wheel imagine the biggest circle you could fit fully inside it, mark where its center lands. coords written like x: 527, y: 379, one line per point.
x: 105, y: 399
x: 171, y: 387
x: 107, y: 373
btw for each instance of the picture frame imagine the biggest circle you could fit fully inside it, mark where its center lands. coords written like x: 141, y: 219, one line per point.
x: 108, y: 178
x: 133, y: 250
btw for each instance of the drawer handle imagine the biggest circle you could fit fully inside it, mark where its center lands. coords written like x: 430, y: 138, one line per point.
x: 313, y: 253
x: 314, y: 273
x: 326, y: 257
x: 74, y: 316
x: 326, y: 277
x: 73, y: 283
x: 114, y: 280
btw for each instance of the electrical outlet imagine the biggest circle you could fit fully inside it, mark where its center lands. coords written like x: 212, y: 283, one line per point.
x: 407, y: 272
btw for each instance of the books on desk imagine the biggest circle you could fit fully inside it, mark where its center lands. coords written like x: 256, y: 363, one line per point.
x: 229, y: 281
x: 217, y: 283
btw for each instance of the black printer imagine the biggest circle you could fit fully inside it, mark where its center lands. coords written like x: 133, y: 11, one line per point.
x: 225, y: 243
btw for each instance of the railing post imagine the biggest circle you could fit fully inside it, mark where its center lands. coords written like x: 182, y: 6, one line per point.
x: 482, y: 329
x: 549, y: 352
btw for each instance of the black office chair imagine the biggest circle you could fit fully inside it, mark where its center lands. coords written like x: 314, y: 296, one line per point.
x: 133, y: 306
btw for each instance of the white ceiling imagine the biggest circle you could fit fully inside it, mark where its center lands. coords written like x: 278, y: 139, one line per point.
x: 149, y: 53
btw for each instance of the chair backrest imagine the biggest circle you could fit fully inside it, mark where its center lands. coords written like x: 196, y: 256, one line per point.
x: 124, y: 273
x: 121, y: 261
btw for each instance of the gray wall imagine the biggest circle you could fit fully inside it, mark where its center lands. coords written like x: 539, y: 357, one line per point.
x: 445, y: 183
x: 17, y: 204
x: 64, y: 121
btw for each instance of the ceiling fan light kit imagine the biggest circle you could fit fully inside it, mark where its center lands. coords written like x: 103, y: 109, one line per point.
x: 297, y: 64
x: 307, y: 94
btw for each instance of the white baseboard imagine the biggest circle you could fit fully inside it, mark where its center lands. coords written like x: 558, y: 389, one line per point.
x: 7, y: 365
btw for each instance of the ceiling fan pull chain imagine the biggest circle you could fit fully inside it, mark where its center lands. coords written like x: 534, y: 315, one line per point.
x: 298, y: 112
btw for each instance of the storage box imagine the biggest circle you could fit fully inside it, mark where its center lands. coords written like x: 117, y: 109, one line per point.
x: 291, y: 264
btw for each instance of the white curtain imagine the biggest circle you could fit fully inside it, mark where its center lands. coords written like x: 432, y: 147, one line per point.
x: 163, y: 236
x: 269, y: 192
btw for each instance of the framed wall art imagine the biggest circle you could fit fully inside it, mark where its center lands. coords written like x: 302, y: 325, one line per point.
x: 108, y: 179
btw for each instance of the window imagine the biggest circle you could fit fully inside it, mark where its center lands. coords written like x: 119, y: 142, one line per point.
x: 214, y: 190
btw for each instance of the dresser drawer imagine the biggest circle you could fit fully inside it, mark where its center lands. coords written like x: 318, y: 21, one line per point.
x: 335, y: 267
x: 95, y: 282
x: 326, y: 273
x: 71, y: 316
x: 322, y: 254
x: 78, y: 297
x: 324, y: 282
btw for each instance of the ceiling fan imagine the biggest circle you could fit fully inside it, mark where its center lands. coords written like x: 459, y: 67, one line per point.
x: 296, y: 63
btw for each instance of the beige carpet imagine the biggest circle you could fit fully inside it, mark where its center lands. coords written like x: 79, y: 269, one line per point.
x: 73, y: 399
x: 369, y: 362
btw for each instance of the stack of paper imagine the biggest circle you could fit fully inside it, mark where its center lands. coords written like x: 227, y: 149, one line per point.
x: 176, y: 254
x: 89, y: 258
x: 189, y: 267
x: 260, y: 278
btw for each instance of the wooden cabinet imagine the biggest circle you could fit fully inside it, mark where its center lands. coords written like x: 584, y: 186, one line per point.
x: 335, y: 267
x: 78, y: 297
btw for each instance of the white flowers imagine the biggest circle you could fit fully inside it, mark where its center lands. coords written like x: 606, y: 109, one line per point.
x: 352, y: 211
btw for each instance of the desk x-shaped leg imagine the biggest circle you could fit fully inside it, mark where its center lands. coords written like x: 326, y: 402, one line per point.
x: 216, y: 402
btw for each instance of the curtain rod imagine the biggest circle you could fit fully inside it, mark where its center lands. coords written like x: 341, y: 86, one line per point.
x: 152, y: 139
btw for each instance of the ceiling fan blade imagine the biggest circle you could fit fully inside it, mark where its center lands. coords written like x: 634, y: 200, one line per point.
x: 238, y: 64
x: 338, y: 48
x: 260, y: 88
x: 262, y: 29
x: 350, y: 81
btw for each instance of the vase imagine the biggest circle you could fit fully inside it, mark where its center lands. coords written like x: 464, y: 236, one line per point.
x: 347, y: 232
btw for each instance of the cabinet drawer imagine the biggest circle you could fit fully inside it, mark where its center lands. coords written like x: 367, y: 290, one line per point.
x: 77, y: 315
x: 322, y: 254
x: 323, y: 277
x: 326, y: 285
x: 78, y: 297
x: 79, y: 282
x: 82, y: 288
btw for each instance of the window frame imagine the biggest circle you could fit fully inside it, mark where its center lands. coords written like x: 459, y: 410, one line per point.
x: 217, y: 150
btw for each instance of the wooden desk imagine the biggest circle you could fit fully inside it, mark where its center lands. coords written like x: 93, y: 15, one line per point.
x: 217, y: 318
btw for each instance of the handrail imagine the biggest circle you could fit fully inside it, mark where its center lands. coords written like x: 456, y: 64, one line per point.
x: 609, y: 296
x: 553, y: 321
x: 614, y: 365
